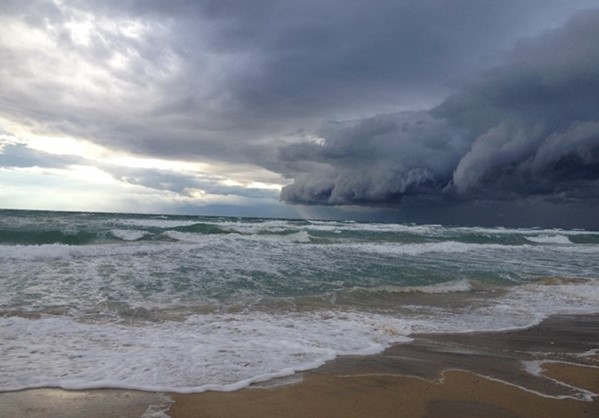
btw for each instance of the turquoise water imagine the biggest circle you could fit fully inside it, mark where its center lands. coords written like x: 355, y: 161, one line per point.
x: 190, y: 303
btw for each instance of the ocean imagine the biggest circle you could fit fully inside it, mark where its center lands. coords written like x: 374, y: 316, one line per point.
x: 191, y: 303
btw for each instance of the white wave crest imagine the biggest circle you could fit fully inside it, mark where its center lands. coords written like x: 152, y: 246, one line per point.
x: 428, y: 247
x: 453, y: 286
x: 58, y: 251
x: 299, y: 237
x: 36, y: 252
x: 270, y: 226
x: 128, y: 234
x: 190, y: 237
x: 550, y: 239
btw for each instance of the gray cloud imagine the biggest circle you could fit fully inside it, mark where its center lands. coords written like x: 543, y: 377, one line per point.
x: 184, y: 184
x: 18, y: 155
x: 228, y: 80
x: 461, y: 113
x: 527, y: 127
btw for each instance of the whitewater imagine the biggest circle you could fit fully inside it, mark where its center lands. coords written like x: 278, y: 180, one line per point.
x: 190, y: 303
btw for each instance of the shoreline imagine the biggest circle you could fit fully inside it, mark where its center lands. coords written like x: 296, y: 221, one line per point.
x: 548, y: 370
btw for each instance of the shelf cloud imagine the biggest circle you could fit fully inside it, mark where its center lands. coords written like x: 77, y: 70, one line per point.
x: 527, y: 127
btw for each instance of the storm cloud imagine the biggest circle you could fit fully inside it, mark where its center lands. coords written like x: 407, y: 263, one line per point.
x: 400, y: 103
x: 528, y: 127
x: 231, y: 80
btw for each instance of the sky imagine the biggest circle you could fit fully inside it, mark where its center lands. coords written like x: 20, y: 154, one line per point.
x: 437, y: 111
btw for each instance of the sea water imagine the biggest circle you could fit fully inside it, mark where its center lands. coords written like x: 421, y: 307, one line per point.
x: 190, y: 303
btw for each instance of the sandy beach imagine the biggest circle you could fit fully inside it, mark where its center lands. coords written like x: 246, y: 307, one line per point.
x: 550, y: 370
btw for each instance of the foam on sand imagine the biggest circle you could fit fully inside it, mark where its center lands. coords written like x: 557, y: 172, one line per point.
x: 226, y: 352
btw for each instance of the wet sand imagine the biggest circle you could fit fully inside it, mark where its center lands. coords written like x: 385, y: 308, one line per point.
x: 550, y: 370
x: 458, y: 394
x: 58, y: 403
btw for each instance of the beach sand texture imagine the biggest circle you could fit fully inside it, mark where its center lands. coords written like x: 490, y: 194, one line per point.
x: 550, y: 370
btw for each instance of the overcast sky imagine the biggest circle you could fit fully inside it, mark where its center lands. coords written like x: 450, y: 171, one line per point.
x: 444, y: 111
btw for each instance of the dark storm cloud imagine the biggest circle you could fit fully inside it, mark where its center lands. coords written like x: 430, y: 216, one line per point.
x: 373, y: 160
x: 527, y: 127
x: 226, y: 80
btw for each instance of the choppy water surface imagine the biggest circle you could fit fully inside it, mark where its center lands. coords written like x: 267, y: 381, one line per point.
x: 187, y: 304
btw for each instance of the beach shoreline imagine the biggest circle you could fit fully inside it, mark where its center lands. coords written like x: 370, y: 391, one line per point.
x: 548, y: 370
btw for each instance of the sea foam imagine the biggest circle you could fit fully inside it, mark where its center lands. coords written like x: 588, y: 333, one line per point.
x: 229, y: 351
x: 454, y: 286
x: 209, y: 352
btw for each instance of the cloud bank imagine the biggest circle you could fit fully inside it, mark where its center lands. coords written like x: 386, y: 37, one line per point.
x: 431, y: 104
x: 526, y: 128
x: 229, y: 81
